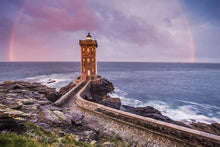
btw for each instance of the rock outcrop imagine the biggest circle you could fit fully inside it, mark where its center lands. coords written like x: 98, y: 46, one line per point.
x: 98, y: 93
x: 22, y: 102
x: 148, y: 111
x: 112, y: 102
x: 214, y: 128
x: 23, y: 89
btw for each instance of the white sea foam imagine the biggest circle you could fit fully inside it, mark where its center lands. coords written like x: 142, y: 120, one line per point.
x: 60, y: 79
x: 189, y: 112
x: 185, y: 113
x: 204, y: 106
x: 124, y: 100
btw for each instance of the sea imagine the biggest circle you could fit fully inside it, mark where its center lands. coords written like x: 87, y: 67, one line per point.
x: 187, y: 92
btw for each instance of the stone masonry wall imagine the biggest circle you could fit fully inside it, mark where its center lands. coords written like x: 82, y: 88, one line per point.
x: 69, y: 94
x: 147, y: 130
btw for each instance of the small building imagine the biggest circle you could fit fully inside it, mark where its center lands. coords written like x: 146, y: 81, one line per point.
x: 88, y: 58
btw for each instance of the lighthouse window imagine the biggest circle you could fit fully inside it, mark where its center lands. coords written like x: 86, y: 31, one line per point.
x: 88, y: 60
x: 92, y: 59
x: 88, y: 50
x: 84, y: 70
x: 92, y: 70
x: 83, y: 59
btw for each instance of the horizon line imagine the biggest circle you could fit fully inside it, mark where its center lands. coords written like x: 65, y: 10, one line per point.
x: 110, y: 61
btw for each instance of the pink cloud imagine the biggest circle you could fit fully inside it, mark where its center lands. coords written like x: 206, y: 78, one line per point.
x: 62, y: 15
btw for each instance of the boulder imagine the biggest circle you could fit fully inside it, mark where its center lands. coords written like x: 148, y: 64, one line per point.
x: 101, y: 89
x: 74, y: 118
x: 112, y: 102
x: 56, y: 117
x: 148, y: 111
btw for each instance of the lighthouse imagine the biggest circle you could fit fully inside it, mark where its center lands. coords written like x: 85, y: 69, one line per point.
x: 88, y: 58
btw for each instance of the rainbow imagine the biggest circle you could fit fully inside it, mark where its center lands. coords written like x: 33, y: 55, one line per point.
x: 11, y: 56
x: 190, y: 33
x: 13, y: 31
x: 192, y: 42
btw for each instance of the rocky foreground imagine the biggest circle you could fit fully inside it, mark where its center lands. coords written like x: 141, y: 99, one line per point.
x: 28, y: 109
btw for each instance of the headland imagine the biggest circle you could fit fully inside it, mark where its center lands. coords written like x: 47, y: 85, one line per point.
x: 84, y: 112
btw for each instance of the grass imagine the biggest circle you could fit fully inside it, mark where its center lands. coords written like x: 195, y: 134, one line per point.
x: 114, y: 140
x: 14, y: 140
x: 36, y: 136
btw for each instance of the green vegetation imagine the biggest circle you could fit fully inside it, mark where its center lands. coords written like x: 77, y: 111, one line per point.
x: 114, y: 140
x: 14, y: 140
x: 36, y: 136
x: 8, y: 82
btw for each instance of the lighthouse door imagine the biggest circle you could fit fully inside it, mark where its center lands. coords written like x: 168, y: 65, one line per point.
x: 89, y: 72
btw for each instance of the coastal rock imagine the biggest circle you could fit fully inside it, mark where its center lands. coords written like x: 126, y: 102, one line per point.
x: 56, y: 117
x: 112, y: 102
x: 214, y: 128
x: 50, y: 81
x: 148, y: 111
x: 11, y: 124
x: 29, y: 102
x: 102, y: 89
x: 67, y: 88
x: 97, y: 92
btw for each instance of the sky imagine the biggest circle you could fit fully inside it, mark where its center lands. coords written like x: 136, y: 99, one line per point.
x: 130, y: 31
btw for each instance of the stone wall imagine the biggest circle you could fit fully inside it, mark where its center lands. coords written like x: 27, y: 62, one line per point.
x: 70, y: 94
x: 158, y: 130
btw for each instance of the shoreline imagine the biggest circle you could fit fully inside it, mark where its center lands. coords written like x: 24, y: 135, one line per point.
x: 22, y: 100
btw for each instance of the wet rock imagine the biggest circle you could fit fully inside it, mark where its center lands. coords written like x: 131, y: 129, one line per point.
x: 102, y: 89
x: 112, y: 102
x: 50, y: 81
x: 148, y: 111
x: 214, y: 128
x: 97, y: 92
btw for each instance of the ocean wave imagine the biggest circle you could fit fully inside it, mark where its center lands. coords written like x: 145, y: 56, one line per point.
x: 124, y: 100
x: 185, y: 113
x: 204, y: 106
x: 60, y: 79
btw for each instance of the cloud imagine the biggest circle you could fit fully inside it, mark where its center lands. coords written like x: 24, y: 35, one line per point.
x: 5, y: 28
x: 65, y: 15
x: 134, y: 31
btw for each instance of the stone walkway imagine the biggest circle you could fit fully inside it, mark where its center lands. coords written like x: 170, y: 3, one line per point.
x: 110, y: 126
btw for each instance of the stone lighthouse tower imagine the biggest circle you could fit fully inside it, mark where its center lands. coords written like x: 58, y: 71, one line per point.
x: 88, y: 58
